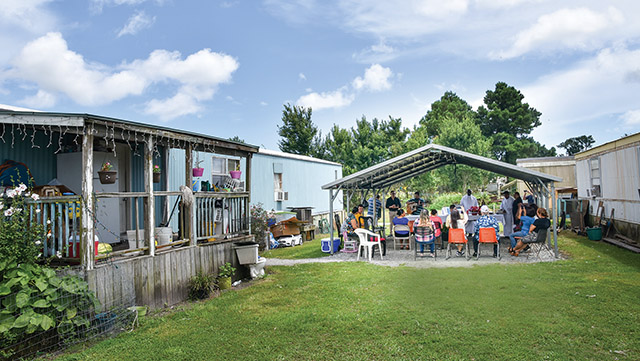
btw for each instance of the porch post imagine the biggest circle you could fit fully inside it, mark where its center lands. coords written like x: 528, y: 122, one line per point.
x: 150, y: 211
x: 247, y: 207
x: 86, y: 245
x: 555, y: 217
x: 189, y: 210
x: 331, y: 219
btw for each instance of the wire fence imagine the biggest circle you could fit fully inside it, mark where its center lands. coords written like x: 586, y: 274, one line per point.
x: 33, y: 325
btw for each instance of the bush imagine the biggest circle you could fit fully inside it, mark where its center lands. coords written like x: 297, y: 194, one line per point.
x: 20, y: 239
x: 259, y: 226
x: 200, y: 286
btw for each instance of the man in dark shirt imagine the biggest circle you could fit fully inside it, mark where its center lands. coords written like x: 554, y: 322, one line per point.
x: 517, y: 201
x: 529, y: 197
x: 418, y: 203
x: 393, y: 204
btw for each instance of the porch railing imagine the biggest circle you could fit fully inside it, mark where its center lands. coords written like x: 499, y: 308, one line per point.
x: 61, y: 218
x: 221, y: 215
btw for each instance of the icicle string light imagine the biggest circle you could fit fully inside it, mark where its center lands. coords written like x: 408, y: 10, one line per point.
x: 33, y: 139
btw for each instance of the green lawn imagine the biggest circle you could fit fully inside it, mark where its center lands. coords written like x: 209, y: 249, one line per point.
x: 309, y: 249
x: 585, y: 308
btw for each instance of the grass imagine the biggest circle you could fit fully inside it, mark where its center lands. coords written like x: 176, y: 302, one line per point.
x: 584, y: 308
x: 309, y: 249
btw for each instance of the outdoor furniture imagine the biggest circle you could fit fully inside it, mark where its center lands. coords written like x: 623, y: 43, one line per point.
x: 423, y: 237
x: 365, y: 242
x: 487, y: 236
x: 539, y: 245
x: 401, y: 228
x: 456, y: 236
x: 350, y: 243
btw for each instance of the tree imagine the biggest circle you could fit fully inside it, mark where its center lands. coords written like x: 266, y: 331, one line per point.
x: 450, y: 106
x: 297, y: 131
x: 236, y: 138
x: 577, y: 144
x: 508, y: 121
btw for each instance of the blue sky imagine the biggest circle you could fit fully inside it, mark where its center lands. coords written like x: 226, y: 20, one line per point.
x: 227, y: 67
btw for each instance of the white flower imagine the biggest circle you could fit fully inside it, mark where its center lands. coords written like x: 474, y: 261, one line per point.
x: 58, y: 254
x: 8, y: 212
x: 35, y: 197
x: 37, y: 210
x: 1, y: 205
x: 38, y: 243
x: 22, y: 187
x: 48, y: 221
x: 11, y: 193
x: 39, y: 255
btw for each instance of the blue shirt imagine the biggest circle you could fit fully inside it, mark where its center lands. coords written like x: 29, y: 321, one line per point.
x: 486, y: 222
x: 401, y: 220
x: 378, y: 207
x: 526, y: 223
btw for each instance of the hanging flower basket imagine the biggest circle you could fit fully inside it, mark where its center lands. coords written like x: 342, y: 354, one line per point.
x: 235, y: 174
x: 198, y: 172
x: 107, y: 176
x: 156, y: 177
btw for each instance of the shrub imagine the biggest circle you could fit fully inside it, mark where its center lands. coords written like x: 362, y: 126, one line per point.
x: 259, y: 226
x: 20, y: 239
x: 201, y: 285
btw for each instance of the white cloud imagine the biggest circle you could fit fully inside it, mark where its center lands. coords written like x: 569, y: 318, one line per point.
x: 565, y: 29
x: 42, y: 99
x: 335, y: 99
x: 631, y: 117
x: 21, y: 21
x: 376, y: 78
x: 137, y: 22
x: 55, y: 69
x: 98, y: 5
x: 302, y: 76
x: 264, y: 104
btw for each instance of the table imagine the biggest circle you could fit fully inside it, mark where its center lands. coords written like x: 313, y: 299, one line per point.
x: 468, y: 227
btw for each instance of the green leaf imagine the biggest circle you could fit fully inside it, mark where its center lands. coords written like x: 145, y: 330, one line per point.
x: 71, y: 312
x: 36, y: 319
x: 6, y: 321
x: 80, y: 321
x: 41, y: 284
x: 4, y: 290
x: 47, y: 322
x: 22, y: 299
x: 55, y: 281
x: 41, y: 304
x: 21, y: 321
x: 49, y: 273
x: 12, y: 281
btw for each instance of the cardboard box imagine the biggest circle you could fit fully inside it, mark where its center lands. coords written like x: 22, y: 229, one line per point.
x: 285, y: 229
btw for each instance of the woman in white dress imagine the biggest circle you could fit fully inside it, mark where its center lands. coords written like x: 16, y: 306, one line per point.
x: 507, y: 206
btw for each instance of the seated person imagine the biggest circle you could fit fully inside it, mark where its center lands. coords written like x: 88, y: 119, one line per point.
x: 351, y: 223
x: 400, y: 219
x: 437, y: 224
x: 424, y: 232
x: 485, y: 221
x: 359, y: 214
x: 417, y: 202
x: 526, y: 220
x: 541, y: 224
x: 457, y: 219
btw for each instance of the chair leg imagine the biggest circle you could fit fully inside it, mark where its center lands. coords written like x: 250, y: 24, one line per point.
x: 359, y: 248
x: 448, y: 254
x: 467, y: 254
x: 380, y: 249
x: 478, y: 252
x: 499, y: 255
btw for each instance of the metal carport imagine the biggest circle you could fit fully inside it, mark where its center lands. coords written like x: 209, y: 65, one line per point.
x: 382, y: 176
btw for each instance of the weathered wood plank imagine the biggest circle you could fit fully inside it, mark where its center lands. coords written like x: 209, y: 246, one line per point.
x: 158, y: 286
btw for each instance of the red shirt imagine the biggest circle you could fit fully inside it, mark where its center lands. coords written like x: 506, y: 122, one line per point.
x: 437, y: 224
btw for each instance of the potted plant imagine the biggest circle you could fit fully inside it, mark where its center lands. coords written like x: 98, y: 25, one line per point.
x: 197, y: 171
x: 235, y: 174
x: 224, y: 276
x: 107, y: 174
x: 157, y: 173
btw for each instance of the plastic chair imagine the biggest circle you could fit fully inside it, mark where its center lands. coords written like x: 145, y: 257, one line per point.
x: 488, y: 236
x: 350, y: 244
x: 422, y: 237
x: 457, y: 236
x: 401, y: 228
x: 363, y: 235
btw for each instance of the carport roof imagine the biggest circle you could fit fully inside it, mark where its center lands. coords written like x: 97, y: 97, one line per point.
x: 425, y: 159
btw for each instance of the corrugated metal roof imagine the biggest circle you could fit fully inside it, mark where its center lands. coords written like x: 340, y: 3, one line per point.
x: 609, y: 146
x: 425, y: 159
x: 275, y: 153
x: 62, y: 116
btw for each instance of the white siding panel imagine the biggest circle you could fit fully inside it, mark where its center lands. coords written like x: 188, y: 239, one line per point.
x: 583, y: 180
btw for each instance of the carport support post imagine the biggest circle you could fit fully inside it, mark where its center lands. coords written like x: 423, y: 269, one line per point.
x: 331, y: 220
x: 555, y: 217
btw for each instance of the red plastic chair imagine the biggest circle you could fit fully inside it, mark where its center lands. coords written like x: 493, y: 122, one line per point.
x: 487, y: 236
x: 457, y: 236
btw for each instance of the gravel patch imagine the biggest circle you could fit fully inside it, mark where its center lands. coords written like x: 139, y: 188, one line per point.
x: 395, y: 258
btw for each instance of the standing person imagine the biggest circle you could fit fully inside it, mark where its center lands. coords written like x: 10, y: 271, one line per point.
x: 457, y: 219
x: 417, y: 202
x: 541, y: 224
x: 506, y: 206
x: 468, y: 200
x: 485, y: 221
x: 378, y: 209
x: 393, y: 204
x: 517, y: 204
x: 437, y: 225
x: 424, y: 232
x: 529, y: 197
x: 401, y: 219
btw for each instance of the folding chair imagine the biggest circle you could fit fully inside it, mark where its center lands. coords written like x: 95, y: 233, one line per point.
x: 401, y: 228
x: 364, y: 235
x: 488, y: 236
x: 424, y: 236
x: 457, y: 236
x: 539, y: 245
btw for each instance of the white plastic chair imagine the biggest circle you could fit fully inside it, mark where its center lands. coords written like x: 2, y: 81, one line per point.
x: 401, y: 228
x: 364, y: 235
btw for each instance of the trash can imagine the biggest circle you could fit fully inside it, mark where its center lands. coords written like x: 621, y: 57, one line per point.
x: 594, y: 233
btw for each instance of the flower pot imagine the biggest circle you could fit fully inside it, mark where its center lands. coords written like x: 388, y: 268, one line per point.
x: 156, y: 177
x: 197, y: 172
x: 235, y: 174
x: 107, y: 176
x: 224, y: 283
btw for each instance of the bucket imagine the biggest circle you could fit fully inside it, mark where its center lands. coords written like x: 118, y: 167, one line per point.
x: 595, y: 233
x: 163, y: 235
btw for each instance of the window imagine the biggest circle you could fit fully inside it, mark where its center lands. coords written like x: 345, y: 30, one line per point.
x: 222, y: 166
x: 277, y: 182
x: 594, y: 167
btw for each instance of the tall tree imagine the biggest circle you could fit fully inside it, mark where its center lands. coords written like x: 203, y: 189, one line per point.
x: 449, y: 106
x: 577, y: 144
x: 297, y: 131
x: 508, y: 121
x: 236, y: 138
